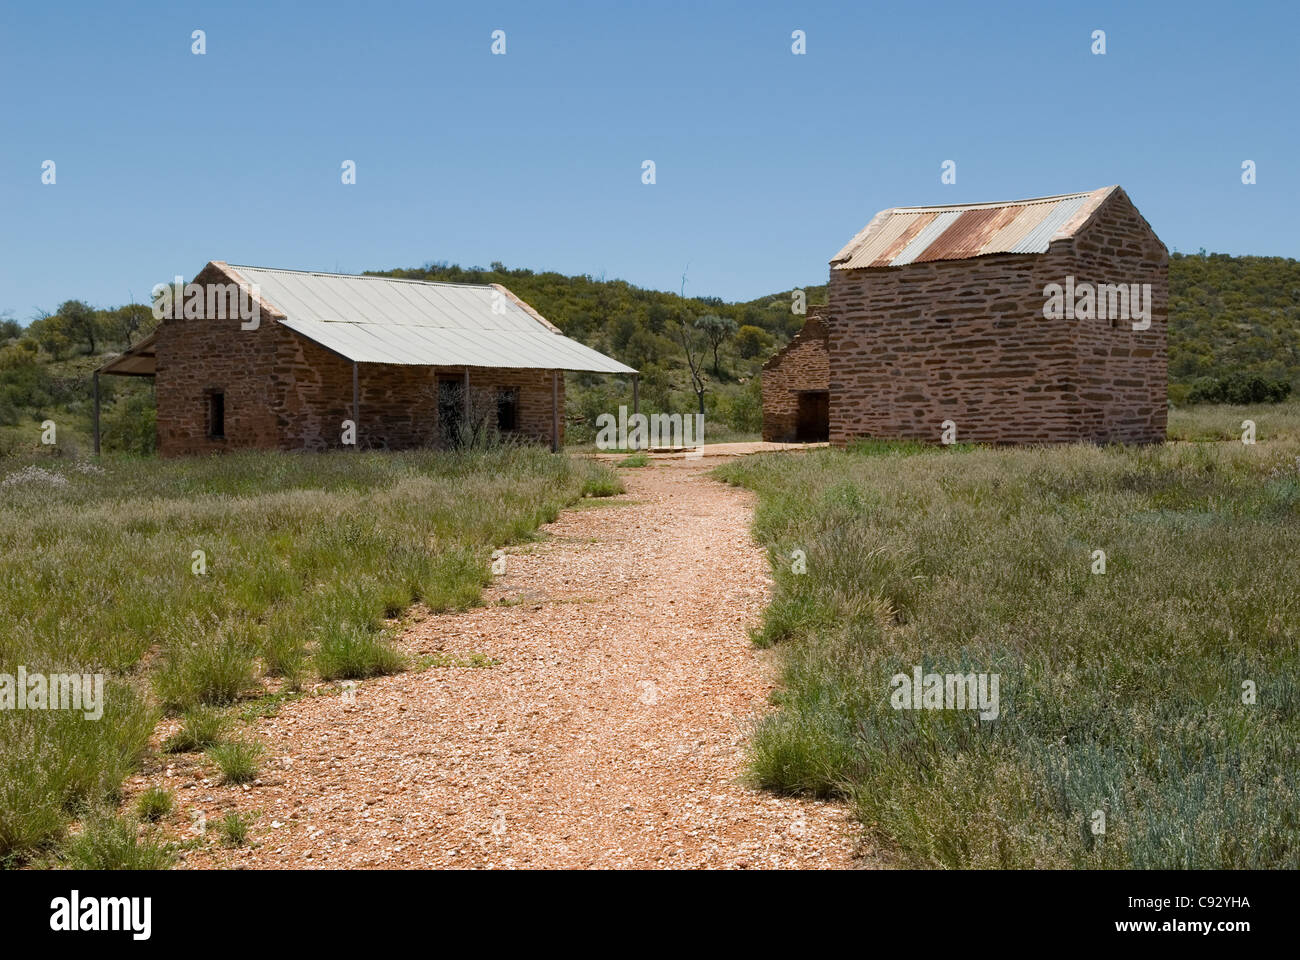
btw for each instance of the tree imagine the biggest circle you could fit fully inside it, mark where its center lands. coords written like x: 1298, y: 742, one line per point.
x: 81, y: 322
x: 9, y: 328
x: 130, y: 323
x: 716, y: 329
x: 753, y: 341
x: 694, y: 349
x: 49, y: 333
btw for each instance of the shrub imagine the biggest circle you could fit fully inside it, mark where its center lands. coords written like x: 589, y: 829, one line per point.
x: 211, y: 670
x: 129, y: 424
x: 233, y: 828
x: 1238, y: 388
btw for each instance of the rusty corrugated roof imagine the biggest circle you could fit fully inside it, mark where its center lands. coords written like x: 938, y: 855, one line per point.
x: 903, y: 235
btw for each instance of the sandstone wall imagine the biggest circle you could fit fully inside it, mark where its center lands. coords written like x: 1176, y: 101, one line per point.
x: 283, y: 391
x: 966, y: 340
x: 802, y: 364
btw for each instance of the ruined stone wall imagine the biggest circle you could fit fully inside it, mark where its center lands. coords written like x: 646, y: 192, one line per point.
x: 283, y: 391
x: 802, y: 364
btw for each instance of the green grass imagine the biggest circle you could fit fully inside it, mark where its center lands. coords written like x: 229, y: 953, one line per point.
x: 201, y: 727
x: 1120, y: 692
x: 234, y: 826
x: 154, y: 804
x: 107, y: 842
x: 641, y: 459
x: 306, y: 555
x: 1210, y: 421
x: 237, y: 760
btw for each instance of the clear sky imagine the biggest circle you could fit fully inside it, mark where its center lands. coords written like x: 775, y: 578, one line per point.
x: 766, y: 161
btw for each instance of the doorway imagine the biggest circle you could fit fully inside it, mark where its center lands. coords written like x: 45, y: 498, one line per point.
x: 451, y: 409
x: 814, y: 421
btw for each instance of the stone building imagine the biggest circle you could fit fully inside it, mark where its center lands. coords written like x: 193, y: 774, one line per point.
x: 796, y: 386
x: 251, y: 357
x: 1028, y: 321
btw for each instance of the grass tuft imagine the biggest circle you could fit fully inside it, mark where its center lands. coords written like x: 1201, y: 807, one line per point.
x: 237, y: 760
x: 107, y: 842
x: 154, y: 804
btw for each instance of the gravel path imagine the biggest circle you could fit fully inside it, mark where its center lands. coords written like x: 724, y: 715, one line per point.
x: 609, y: 732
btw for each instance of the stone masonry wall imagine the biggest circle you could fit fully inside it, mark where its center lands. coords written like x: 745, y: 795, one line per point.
x: 966, y: 340
x: 283, y: 391
x: 802, y: 364
x: 1123, y: 373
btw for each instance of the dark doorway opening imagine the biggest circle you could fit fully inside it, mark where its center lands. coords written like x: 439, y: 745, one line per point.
x: 451, y: 410
x: 814, y: 423
x: 507, y: 409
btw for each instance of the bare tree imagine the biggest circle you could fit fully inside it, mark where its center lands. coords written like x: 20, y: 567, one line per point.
x: 694, y: 350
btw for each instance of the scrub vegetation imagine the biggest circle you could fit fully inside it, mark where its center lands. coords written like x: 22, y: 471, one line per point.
x: 1159, y: 701
x: 193, y: 584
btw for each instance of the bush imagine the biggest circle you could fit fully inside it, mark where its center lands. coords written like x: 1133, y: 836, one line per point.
x: 1238, y: 388
x: 129, y: 424
x: 752, y: 341
x: 233, y: 828
x: 215, y: 671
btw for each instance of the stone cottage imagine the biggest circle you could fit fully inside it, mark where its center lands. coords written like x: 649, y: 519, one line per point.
x: 253, y: 357
x: 1027, y: 321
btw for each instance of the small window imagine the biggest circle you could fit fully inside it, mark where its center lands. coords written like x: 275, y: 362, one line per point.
x: 507, y: 409
x: 216, y: 414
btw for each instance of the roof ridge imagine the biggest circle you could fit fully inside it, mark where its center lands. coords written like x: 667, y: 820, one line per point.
x: 1000, y: 203
x: 358, y: 276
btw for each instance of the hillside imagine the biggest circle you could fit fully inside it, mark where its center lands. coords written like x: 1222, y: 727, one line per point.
x: 1229, y: 315
x: 643, y: 329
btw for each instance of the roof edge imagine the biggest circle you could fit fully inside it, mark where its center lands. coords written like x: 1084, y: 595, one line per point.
x: 527, y: 308
x: 254, y: 292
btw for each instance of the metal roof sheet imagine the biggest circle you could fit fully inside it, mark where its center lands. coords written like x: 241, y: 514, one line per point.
x: 416, y: 322
x: 889, y: 241
x: 138, y: 360
x: 927, y: 235
x: 961, y: 231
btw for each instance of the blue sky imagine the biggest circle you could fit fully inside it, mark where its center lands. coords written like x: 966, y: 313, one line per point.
x: 766, y: 162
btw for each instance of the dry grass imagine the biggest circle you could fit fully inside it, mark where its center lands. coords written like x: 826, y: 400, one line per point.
x: 1120, y: 692
x: 305, y: 556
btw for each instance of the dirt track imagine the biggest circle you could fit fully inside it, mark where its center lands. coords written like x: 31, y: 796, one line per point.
x: 609, y: 733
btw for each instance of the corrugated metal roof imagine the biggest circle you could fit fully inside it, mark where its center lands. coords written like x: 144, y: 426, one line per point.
x: 137, y: 360
x: 417, y: 322
x: 927, y: 235
x: 903, y: 235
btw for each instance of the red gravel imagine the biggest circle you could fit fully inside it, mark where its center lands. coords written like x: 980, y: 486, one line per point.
x: 609, y: 733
